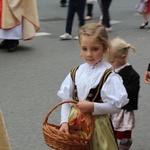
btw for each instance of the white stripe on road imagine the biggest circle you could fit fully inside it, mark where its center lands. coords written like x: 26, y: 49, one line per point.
x: 115, y: 21
x: 42, y: 34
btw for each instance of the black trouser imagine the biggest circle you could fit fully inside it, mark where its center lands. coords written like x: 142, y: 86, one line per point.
x: 104, y: 5
x: 89, y: 9
x: 73, y: 7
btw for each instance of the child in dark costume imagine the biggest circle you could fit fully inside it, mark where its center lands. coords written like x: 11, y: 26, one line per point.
x: 124, y: 121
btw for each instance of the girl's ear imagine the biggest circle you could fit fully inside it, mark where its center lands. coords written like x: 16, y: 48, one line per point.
x: 123, y: 56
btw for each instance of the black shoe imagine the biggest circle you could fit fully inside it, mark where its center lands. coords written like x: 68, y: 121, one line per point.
x: 63, y: 3
x: 13, y: 44
x: 144, y: 24
x: 4, y: 44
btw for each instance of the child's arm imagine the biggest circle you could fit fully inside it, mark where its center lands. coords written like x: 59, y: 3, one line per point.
x: 64, y: 127
x: 65, y: 93
x: 113, y: 94
x: 85, y: 106
x: 99, y: 108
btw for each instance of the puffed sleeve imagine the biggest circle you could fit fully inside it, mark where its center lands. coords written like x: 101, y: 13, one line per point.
x: 114, y: 92
x: 67, y: 86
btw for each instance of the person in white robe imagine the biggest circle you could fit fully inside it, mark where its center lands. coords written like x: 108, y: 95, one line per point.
x: 18, y: 21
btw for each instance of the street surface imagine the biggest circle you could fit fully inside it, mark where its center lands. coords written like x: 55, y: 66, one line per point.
x: 31, y: 76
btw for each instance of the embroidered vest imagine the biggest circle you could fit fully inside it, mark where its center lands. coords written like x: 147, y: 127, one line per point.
x: 94, y: 93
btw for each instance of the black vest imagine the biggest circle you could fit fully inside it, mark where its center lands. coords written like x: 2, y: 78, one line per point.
x: 94, y: 93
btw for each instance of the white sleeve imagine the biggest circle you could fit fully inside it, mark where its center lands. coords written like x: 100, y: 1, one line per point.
x: 66, y: 89
x: 114, y: 92
x: 65, y: 93
x: 105, y: 108
x: 65, y: 110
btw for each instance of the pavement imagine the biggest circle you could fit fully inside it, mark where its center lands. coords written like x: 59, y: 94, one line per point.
x: 31, y: 76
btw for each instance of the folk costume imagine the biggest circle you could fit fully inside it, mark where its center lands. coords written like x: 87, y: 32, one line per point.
x: 109, y: 100
x: 124, y: 121
x: 18, y: 20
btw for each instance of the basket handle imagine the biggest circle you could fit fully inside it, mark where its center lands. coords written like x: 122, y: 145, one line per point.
x: 63, y: 102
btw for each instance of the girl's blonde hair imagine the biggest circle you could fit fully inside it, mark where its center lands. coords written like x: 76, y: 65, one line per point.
x: 119, y: 47
x: 96, y: 31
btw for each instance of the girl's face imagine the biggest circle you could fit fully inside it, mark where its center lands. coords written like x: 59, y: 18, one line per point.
x: 91, y: 50
x: 116, y: 62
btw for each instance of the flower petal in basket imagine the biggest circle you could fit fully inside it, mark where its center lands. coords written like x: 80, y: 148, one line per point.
x: 79, y: 121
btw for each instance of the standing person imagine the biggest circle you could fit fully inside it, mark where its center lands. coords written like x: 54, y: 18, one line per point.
x: 124, y: 121
x: 144, y: 8
x: 93, y: 40
x: 73, y: 7
x: 105, y: 17
x: 147, y: 75
x: 18, y: 20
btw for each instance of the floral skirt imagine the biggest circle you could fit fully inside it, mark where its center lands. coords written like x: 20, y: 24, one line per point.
x: 103, y: 137
x: 123, y: 121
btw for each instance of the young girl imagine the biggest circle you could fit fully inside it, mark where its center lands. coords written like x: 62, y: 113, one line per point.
x: 123, y: 121
x: 93, y: 40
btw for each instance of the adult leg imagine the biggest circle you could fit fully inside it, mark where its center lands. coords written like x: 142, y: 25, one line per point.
x: 80, y: 11
x: 70, y: 16
x: 89, y: 11
x: 105, y: 5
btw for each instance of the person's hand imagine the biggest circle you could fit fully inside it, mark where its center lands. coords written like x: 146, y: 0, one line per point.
x: 147, y: 77
x: 64, y: 127
x: 85, y: 106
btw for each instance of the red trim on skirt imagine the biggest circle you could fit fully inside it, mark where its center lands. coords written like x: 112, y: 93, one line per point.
x: 147, y: 7
x: 123, y: 135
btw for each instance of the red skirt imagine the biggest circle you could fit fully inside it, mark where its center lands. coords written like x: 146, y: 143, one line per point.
x: 148, y: 7
x: 123, y: 135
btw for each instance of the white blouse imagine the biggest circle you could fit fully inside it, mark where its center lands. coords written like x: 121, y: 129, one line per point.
x: 113, y: 92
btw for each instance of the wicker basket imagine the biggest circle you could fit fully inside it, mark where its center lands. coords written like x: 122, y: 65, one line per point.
x: 59, y: 140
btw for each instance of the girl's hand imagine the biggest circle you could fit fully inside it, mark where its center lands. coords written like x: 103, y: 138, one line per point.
x: 85, y: 106
x: 64, y: 127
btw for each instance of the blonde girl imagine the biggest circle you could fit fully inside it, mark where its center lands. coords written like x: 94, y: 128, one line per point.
x: 93, y: 41
x: 124, y: 121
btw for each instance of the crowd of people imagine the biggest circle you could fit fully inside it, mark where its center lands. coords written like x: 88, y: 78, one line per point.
x: 78, y: 6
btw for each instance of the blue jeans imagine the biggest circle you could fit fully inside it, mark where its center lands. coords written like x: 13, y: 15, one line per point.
x: 73, y: 7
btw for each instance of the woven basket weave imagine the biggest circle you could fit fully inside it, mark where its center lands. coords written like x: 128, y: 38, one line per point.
x: 75, y: 140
